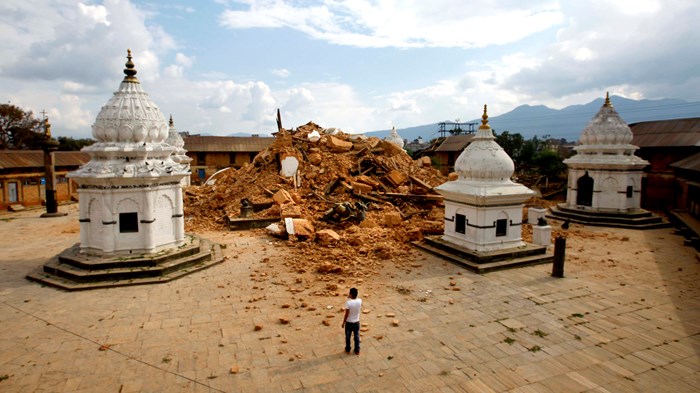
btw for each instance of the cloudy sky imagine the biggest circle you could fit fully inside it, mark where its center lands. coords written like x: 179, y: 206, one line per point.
x: 225, y: 66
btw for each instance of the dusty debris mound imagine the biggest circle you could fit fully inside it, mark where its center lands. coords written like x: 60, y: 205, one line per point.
x: 355, y: 201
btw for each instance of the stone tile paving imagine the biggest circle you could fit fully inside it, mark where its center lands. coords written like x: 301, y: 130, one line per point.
x: 614, y: 324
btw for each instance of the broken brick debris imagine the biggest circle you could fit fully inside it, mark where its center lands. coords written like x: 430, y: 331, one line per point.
x: 344, y: 183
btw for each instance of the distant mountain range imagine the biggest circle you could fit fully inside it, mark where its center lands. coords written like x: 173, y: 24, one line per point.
x: 567, y: 122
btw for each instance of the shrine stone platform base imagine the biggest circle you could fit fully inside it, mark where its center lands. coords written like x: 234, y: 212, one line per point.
x: 641, y: 219
x: 485, y: 261
x: 73, y: 271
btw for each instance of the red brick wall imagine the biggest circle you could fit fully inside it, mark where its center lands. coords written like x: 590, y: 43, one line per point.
x: 218, y: 160
x: 35, y: 194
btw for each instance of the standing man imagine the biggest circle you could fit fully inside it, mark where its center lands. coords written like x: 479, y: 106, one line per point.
x: 351, y: 320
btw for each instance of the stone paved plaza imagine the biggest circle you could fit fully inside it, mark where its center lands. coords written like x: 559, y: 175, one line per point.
x: 625, y: 319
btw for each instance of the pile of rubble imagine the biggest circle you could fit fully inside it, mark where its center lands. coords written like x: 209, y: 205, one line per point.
x: 347, y: 203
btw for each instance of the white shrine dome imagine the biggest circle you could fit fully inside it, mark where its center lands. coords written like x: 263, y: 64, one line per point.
x: 176, y: 141
x: 174, y: 138
x: 130, y: 116
x: 394, y: 138
x: 606, y: 128
x: 484, y: 160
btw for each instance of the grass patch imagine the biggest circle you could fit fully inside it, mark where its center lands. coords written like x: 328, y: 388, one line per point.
x: 577, y: 315
x: 535, y: 348
x: 4, y: 377
x: 509, y: 341
x: 166, y: 360
x: 540, y: 333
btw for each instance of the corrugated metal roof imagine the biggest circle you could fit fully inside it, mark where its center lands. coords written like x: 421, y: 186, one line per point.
x: 203, y: 144
x: 455, y: 142
x: 35, y: 158
x: 667, y: 133
x: 691, y: 163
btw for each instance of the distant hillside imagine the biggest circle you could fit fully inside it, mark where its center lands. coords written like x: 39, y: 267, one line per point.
x: 567, y: 122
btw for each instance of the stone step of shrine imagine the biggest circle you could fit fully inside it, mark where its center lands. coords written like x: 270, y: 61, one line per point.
x: 86, y: 261
x: 68, y: 271
x: 641, y: 219
x: 484, y: 262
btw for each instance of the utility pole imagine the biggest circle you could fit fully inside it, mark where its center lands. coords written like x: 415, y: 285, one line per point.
x: 50, y: 145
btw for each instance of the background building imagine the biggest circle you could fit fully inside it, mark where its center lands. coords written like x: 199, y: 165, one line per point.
x: 668, y: 146
x: 22, y: 176
x: 212, y: 153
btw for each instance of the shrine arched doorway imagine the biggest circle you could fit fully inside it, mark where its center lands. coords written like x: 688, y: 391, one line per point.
x: 584, y: 195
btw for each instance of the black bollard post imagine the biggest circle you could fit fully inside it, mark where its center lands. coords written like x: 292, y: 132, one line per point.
x: 559, y: 254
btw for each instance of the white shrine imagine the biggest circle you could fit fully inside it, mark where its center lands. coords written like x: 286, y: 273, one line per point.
x: 484, y: 207
x: 605, y: 176
x: 395, y: 138
x: 484, y: 211
x: 179, y: 155
x: 130, y: 193
x: 132, y: 227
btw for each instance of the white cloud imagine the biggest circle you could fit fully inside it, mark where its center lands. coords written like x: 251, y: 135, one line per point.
x: 59, y: 53
x: 328, y: 104
x: 604, y: 44
x: 297, y: 100
x: 281, y: 72
x: 71, y: 63
x: 97, y: 13
x: 261, y: 104
x: 75, y: 43
x: 405, y: 24
x: 177, y: 70
x: 183, y: 60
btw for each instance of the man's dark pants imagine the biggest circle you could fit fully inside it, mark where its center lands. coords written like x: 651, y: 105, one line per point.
x: 352, y: 328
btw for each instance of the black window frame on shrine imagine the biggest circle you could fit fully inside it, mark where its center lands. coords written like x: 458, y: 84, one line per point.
x: 460, y: 223
x: 630, y: 191
x: 501, y: 227
x: 128, y: 222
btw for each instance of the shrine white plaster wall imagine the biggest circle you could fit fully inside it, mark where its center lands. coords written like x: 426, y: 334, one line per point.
x: 610, y: 190
x: 480, y: 226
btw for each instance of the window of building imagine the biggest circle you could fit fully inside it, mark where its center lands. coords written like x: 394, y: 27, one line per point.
x: 128, y: 222
x: 231, y: 158
x: 630, y: 191
x: 460, y: 223
x: 501, y: 227
x: 201, y: 159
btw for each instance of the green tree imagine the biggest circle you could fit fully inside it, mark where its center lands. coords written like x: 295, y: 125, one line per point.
x: 549, y: 163
x: 19, y: 129
x: 511, y: 143
x: 66, y: 143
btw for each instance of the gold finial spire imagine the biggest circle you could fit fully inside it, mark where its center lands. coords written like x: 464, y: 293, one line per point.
x: 47, y: 127
x: 607, y: 104
x: 484, y: 120
x: 130, y: 71
x: 171, y: 123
